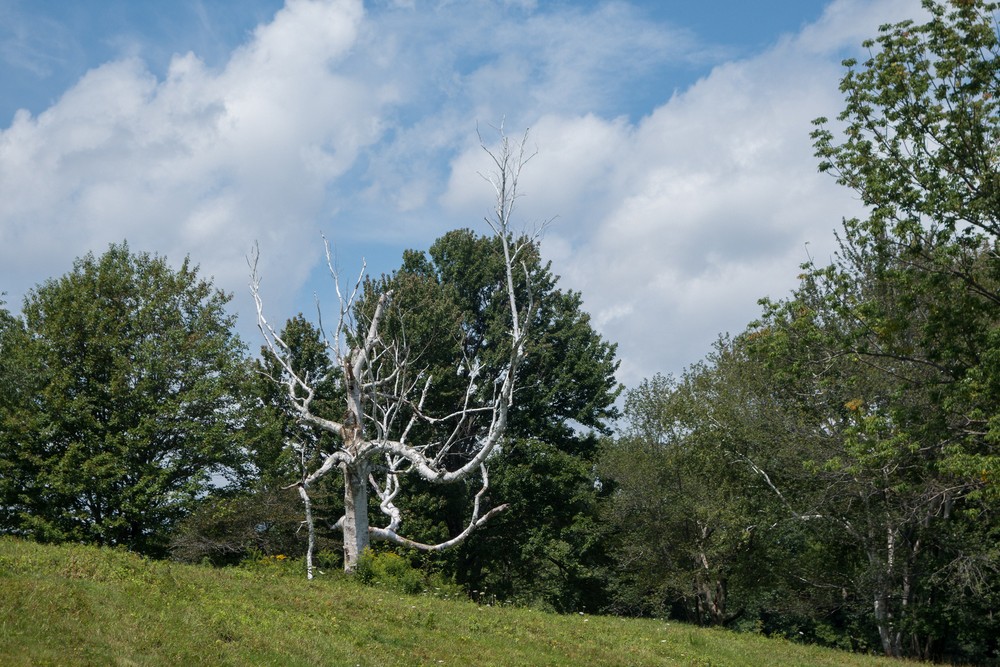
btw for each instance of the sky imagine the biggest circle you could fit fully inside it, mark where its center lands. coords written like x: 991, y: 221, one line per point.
x: 673, y: 151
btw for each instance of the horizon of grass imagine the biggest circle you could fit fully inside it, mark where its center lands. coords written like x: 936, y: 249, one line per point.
x: 82, y: 605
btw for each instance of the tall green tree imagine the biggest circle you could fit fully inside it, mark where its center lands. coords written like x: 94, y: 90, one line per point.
x: 134, y: 402
x: 865, y: 405
x: 869, y: 468
x: 699, y: 533
x: 15, y: 382
x: 292, y: 445
x: 544, y: 549
x: 919, y: 144
x: 12, y: 376
x: 916, y: 292
x: 568, y: 378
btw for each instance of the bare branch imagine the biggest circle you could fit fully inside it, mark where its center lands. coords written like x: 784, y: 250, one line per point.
x: 389, y: 533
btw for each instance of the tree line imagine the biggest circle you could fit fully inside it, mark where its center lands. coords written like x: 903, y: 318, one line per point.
x: 832, y: 470
x: 829, y: 474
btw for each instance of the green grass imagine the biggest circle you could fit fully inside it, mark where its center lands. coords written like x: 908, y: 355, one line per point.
x: 74, y: 605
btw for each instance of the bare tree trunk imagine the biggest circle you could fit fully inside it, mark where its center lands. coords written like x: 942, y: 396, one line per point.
x: 355, y: 526
x: 711, y: 590
x: 883, y: 619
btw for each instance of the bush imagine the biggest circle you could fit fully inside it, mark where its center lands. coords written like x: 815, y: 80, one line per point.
x: 390, y: 571
x: 228, y: 531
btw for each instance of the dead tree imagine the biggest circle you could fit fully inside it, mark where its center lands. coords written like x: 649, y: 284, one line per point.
x: 385, y: 394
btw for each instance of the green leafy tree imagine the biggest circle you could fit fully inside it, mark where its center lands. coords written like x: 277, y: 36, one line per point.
x: 920, y: 146
x: 915, y: 294
x: 15, y: 383
x: 11, y: 333
x: 292, y: 445
x: 792, y: 482
x: 568, y: 377
x: 698, y: 532
x: 867, y: 468
x: 544, y: 549
x: 133, y: 404
x: 865, y: 405
x: 13, y: 378
x: 548, y: 549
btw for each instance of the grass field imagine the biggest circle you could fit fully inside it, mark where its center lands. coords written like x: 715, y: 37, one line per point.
x: 75, y: 605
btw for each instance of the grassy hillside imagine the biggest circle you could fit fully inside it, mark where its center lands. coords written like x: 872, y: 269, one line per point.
x: 73, y: 605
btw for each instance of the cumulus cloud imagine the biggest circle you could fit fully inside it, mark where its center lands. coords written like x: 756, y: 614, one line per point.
x: 672, y: 221
x: 673, y: 227
x: 459, y: 66
x: 200, y: 162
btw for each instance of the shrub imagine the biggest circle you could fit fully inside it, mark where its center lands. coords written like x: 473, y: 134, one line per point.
x: 391, y: 571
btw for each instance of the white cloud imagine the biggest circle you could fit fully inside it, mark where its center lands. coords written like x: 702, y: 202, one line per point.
x: 672, y: 223
x: 674, y: 226
x: 847, y: 23
x: 459, y: 65
x: 201, y: 162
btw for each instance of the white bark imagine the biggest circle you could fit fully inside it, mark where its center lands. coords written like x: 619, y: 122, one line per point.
x: 355, y: 525
x: 385, y: 395
x: 311, y: 527
x: 389, y: 532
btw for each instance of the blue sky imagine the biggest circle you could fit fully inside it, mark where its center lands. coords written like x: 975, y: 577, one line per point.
x: 672, y: 140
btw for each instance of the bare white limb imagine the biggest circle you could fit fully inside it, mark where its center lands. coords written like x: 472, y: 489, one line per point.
x: 389, y: 533
x: 311, y: 527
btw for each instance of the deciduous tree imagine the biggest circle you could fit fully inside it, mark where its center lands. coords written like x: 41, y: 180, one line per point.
x: 916, y: 291
x: 545, y: 549
x: 131, y: 401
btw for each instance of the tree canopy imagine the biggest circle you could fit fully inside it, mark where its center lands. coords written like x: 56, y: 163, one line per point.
x: 566, y: 400
x: 128, y: 401
x: 857, y: 417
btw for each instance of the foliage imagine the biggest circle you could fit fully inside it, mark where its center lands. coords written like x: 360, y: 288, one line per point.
x: 450, y: 303
x: 229, y: 530
x: 920, y: 148
x: 292, y: 445
x: 829, y: 475
x: 697, y: 532
x: 259, y: 513
x: 852, y: 430
x: 390, y: 571
x: 12, y: 374
x: 912, y: 301
x: 75, y: 605
x: 547, y: 550
x: 129, y: 402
